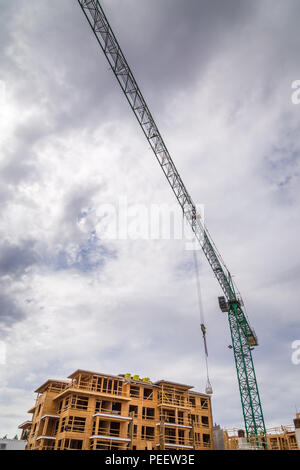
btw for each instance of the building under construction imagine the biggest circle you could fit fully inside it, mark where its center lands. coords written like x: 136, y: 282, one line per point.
x: 277, y: 438
x: 95, y: 411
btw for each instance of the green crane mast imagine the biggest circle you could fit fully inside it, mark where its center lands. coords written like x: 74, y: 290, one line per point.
x: 242, y: 335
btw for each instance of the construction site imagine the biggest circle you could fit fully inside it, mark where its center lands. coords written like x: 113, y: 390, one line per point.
x: 98, y: 411
x: 94, y: 411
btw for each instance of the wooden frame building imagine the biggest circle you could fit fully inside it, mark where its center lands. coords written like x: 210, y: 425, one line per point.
x: 278, y: 438
x: 94, y: 411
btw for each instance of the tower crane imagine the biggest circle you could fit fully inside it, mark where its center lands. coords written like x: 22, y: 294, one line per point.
x: 242, y: 334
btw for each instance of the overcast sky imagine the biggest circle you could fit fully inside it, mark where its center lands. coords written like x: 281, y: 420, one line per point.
x: 217, y: 76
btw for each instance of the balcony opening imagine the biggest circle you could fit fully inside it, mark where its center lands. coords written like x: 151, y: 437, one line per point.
x: 98, y: 406
x: 192, y: 402
x: 109, y: 428
x: 80, y: 402
x: 133, y: 409
x: 115, y: 429
x: 169, y: 416
x: 134, y: 391
x: 107, y: 385
x: 75, y: 424
x: 67, y: 401
x: 74, y: 444
x: 105, y: 406
x: 170, y: 435
x: 204, y: 403
x: 195, y: 419
x: 116, y: 408
x: 204, y: 421
x: 148, y: 394
x: 181, y: 436
x: 148, y: 433
x: 148, y: 413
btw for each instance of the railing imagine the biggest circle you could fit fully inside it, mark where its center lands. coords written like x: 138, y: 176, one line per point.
x: 173, y: 420
x: 108, y: 411
x: 207, y: 445
x: 180, y: 441
x: 183, y: 421
x: 107, y: 445
x: 148, y: 397
x: 57, y: 388
x: 148, y: 437
x: 48, y: 435
x: 75, y: 428
x: 148, y: 417
x: 171, y: 400
x: 76, y: 424
x: 91, y: 387
x: 110, y: 433
x: 203, y: 405
x: 89, y: 410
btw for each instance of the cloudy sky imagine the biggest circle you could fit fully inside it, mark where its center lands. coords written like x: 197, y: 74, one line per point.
x: 217, y: 76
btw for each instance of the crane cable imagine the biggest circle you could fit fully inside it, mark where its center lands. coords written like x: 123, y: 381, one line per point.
x: 208, y: 388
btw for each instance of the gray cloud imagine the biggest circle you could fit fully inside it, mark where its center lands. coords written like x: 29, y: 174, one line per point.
x: 15, y: 259
x: 10, y: 312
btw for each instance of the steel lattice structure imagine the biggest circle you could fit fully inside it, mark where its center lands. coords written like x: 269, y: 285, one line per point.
x: 243, y: 336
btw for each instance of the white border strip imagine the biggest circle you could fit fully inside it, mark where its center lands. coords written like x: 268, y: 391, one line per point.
x: 175, y: 425
x: 176, y: 445
x: 113, y: 416
x: 111, y: 438
x: 50, y: 416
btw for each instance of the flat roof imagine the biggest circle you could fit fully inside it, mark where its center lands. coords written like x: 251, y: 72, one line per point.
x: 50, y: 381
x: 199, y: 394
x: 140, y: 382
x: 168, y: 382
x: 101, y: 374
x: 89, y: 393
x: 26, y: 424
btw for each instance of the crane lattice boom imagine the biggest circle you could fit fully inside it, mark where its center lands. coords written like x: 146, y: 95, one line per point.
x: 243, y: 336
